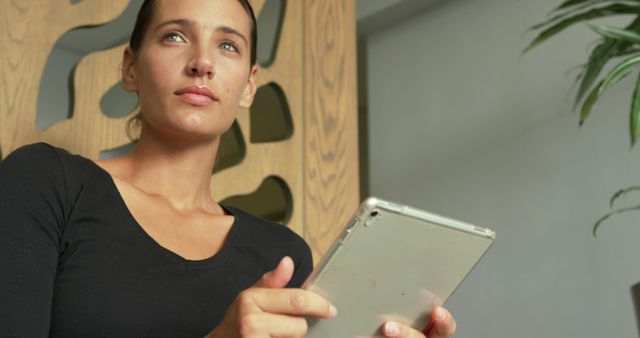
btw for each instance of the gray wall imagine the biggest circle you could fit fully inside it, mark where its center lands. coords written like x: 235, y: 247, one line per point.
x: 460, y: 124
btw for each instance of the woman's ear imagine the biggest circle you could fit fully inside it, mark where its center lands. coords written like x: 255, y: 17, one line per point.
x: 250, y: 89
x: 129, y: 79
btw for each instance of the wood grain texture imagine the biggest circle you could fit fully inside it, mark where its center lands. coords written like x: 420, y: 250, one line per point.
x: 331, y: 121
x: 90, y: 131
x: 30, y: 29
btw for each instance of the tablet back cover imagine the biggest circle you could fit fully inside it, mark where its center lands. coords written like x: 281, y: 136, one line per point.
x: 393, y: 262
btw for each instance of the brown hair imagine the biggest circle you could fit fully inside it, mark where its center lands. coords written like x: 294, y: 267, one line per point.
x: 142, y: 25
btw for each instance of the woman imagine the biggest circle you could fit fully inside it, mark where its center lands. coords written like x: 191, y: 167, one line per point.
x: 137, y: 246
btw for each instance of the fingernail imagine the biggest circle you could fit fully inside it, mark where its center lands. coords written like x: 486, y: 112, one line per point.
x: 440, y: 313
x: 333, y: 311
x: 391, y: 329
x: 286, y: 259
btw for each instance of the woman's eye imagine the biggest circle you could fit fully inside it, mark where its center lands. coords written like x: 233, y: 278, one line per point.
x: 229, y: 47
x: 173, y: 37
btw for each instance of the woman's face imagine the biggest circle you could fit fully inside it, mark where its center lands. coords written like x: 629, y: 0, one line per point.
x: 193, y: 70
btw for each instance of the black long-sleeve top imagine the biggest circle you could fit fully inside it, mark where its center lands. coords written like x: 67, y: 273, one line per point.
x: 75, y: 263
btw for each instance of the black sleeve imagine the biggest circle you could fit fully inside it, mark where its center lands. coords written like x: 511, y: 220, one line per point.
x: 303, y: 261
x: 32, y: 200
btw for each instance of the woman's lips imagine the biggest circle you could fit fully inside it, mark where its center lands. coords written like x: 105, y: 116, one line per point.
x: 196, y: 99
x: 196, y: 96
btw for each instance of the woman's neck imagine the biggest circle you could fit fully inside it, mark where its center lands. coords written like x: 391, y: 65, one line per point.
x: 180, y: 173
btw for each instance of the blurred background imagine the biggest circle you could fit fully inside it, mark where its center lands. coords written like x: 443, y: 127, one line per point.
x: 460, y: 123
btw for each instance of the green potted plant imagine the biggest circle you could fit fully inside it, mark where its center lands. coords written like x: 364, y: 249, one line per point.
x: 617, y: 46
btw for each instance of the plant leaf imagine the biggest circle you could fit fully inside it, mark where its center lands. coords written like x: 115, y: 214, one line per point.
x: 605, y: 217
x: 561, y: 13
x: 628, y: 51
x: 618, y: 73
x: 615, y: 33
x: 634, y: 115
x: 570, y: 3
x: 621, y: 193
x: 597, y: 60
x: 588, y: 103
x: 562, y: 21
x: 599, y: 57
x: 573, y: 3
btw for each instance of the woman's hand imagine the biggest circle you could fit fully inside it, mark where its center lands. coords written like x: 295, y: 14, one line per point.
x: 441, y: 325
x: 269, y: 310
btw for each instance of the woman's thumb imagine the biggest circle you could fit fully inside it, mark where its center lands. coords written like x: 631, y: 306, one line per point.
x: 279, y: 277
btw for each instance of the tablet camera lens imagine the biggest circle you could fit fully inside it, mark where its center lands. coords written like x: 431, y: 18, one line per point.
x: 373, y: 216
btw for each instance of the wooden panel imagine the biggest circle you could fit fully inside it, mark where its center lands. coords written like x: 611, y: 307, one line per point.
x: 90, y: 131
x: 29, y: 31
x: 330, y: 121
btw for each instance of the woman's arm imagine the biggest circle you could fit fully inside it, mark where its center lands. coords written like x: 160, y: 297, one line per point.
x: 32, y: 193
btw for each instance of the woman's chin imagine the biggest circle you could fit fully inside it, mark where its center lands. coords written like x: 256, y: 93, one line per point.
x: 192, y: 127
x: 194, y: 121
x: 198, y: 124
x: 201, y: 131
x: 205, y: 122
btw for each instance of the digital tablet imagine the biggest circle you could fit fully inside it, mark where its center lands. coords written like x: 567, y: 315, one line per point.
x: 393, y: 262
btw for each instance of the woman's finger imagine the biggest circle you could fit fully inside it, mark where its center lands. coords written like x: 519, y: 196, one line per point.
x: 288, y: 302
x: 443, y: 324
x: 397, y: 330
x: 280, y: 326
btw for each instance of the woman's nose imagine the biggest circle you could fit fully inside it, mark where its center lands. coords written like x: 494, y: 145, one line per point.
x: 201, y: 65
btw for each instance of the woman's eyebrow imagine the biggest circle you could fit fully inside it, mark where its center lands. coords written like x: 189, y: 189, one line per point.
x: 180, y: 22
x: 189, y: 24
x: 229, y: 30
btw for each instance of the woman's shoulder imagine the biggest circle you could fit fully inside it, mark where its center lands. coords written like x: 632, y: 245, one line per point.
x: 261, y: 227
x: 31, y: 151
x: 40, y: 154
x: 32, y: 159
x: 269, y: 234
x: 42, y: 163
x: 276, y: 240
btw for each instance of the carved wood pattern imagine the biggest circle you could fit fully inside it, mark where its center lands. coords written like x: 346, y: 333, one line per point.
x: 30, y: 28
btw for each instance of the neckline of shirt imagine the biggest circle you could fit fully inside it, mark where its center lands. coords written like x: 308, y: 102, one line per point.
x: 216, y: 259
